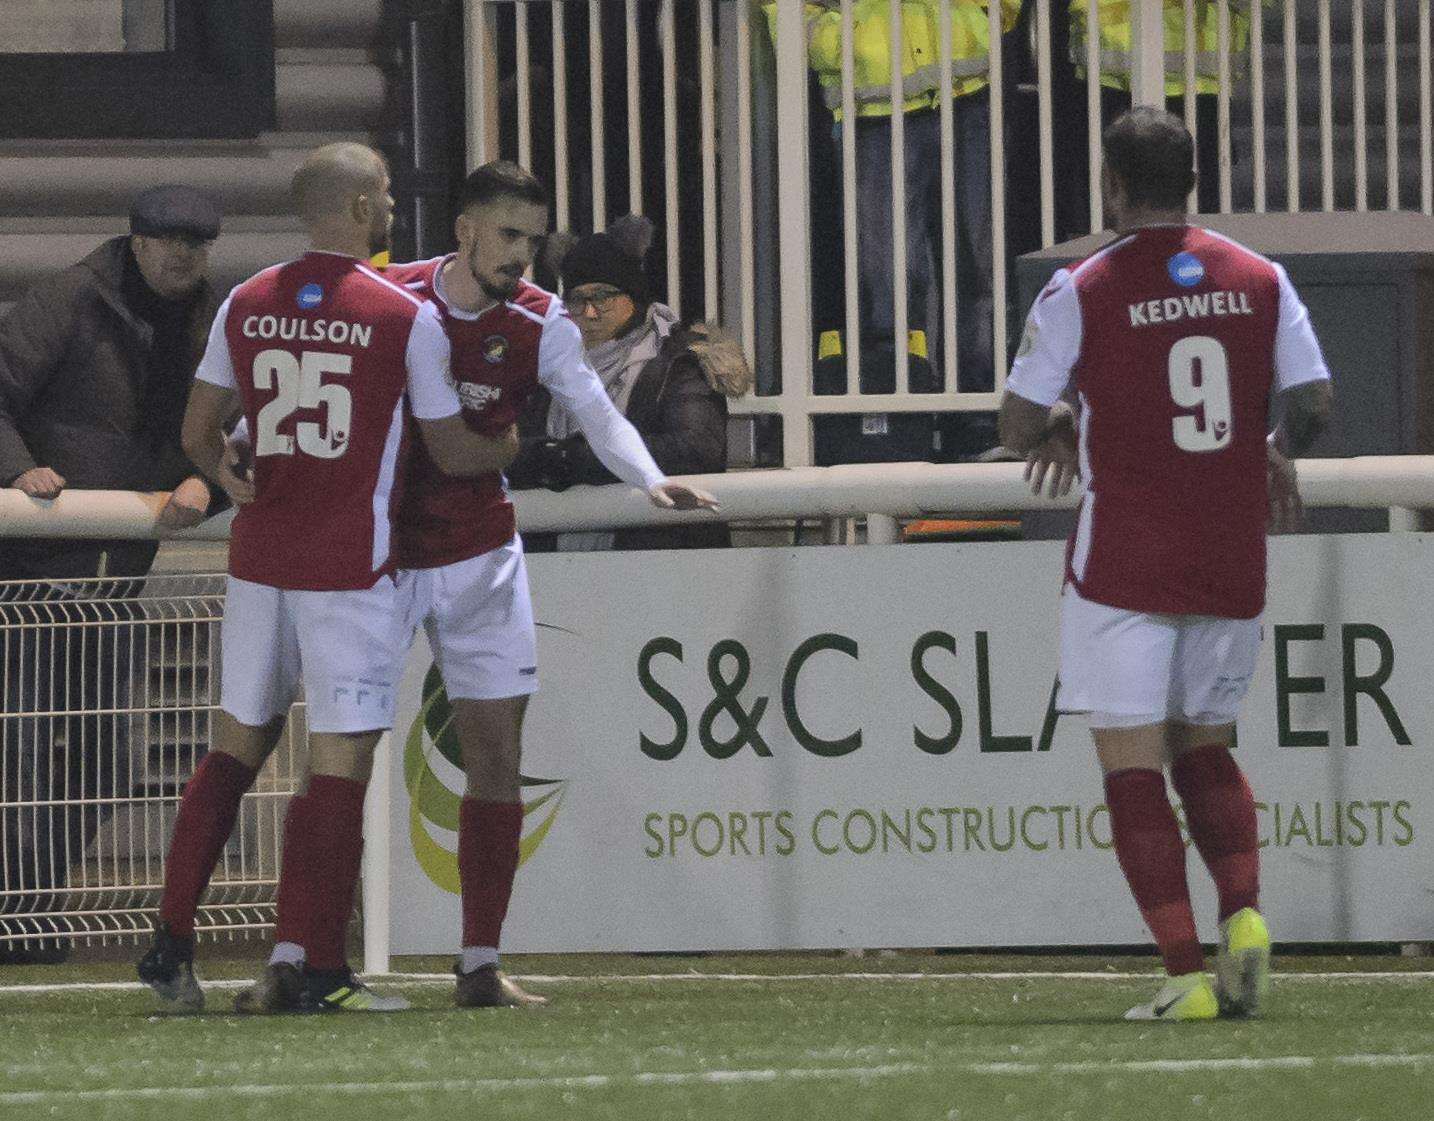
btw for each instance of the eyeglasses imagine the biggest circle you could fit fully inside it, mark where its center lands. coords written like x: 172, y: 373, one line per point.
x: 598, y: 301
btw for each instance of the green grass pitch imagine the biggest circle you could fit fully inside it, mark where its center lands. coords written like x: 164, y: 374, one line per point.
x: 958, y: 1038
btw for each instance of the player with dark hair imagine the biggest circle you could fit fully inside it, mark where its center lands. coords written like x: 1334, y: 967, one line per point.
x: 329, y: 361
x: 509, y: 337
x: 1172, y: 340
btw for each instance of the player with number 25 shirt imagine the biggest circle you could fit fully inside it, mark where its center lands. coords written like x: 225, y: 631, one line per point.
x: 328, y: 361
x: 1172, y: 340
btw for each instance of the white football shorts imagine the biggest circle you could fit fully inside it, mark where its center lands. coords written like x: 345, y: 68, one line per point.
x: 479, y: 618
x: 347, y: 648
x: 1128, y: 668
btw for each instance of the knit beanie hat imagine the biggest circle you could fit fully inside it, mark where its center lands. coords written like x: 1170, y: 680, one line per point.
x: 600, y: 259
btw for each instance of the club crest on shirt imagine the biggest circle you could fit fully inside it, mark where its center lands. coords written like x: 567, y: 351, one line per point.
x: 495, y: 349
x: 477, y: 396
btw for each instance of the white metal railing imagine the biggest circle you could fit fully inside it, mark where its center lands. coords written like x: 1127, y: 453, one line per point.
x: 737, y: 225
x: 106, y: 692
x: 114, y: 680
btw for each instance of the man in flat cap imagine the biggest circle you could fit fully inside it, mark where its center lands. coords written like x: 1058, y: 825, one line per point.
x: 95, y: 367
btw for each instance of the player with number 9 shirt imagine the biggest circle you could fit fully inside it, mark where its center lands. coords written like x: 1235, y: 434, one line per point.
x: 1149, y: 368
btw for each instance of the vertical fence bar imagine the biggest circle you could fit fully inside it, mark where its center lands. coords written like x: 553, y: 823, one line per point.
x: 1257, y: 101
x: 998, y: 197
x: 1292, y: 113
x: 850, y: 242
x: 1044, y: 125
x: 596, y: 86
x: 1361, y: 137
x: 1326, y: 109
x: 1092, y: 108
x: 377, y: 860
x: 669, y: 151
x: 794, y: 235
x: 525, y: 93
x: 949, y: 295
x: 1147, y: 47
x: 1391, y: 108
x: 1426, y: 115
x: 1188, y: 98
x: 634, y: 114
x: 747, y: 263
x: 478, y: 78
x: 706, y: 50
x: 560, y: 115
x: 1223, y: 139
x: 899, y: 264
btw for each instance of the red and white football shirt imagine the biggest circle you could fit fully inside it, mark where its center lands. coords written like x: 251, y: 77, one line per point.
x: 1174, y: 337
x: 321, y: 351
x: 500, y: 356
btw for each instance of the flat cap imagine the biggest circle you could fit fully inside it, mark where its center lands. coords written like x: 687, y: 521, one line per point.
x: 175, y: 211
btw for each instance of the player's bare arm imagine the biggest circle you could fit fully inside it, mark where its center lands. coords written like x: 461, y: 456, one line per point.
x: 202, y: 436
x: 465, y: 454
x: 1307, y: 407
x: 1046, y: 435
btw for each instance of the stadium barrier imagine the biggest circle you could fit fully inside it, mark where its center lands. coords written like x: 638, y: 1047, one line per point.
x: 138, y: 660
x: 1329, y: 84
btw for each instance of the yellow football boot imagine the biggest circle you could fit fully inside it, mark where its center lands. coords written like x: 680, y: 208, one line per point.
x: 1242, y: 967
x: 1187, y: 997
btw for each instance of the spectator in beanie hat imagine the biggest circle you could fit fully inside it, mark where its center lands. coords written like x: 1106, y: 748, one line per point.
x: 670, y: 379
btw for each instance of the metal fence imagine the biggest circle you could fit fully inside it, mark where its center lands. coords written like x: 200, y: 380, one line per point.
x: 704, y: 115
x: 107, y: 687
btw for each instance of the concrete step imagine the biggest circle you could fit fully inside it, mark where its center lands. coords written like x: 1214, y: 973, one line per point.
x: 326, y: 23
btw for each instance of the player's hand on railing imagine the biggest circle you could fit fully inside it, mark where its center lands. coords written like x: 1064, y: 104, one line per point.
x: 680, y: 496
x: 187, y: 505
x: 40, y: 482
x: 1287, y: 510
x: 1056, y: 457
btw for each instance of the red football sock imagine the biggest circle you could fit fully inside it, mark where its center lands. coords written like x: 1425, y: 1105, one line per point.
x: 323, y: 854
x: 488, y: 835
x: 206, y: 818
x: 1152, y: 856
x: 1220, y: 813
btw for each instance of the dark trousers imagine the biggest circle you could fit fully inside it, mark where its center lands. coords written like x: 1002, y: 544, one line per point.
x: 922, y: 158
x: 66, y: 667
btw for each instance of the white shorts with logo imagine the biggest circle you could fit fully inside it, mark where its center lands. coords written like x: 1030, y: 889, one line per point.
x: 347, y: 648
x: 1128, y: 668
x: 479, y: 618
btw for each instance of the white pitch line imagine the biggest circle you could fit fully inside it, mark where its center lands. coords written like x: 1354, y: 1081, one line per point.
x: 423, y: 980
x: 461, y: 1085
x: 1187, y: 1066
x: 706, y: 1077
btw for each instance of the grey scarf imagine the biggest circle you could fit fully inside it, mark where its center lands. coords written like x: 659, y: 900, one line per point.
x: 618, y: 362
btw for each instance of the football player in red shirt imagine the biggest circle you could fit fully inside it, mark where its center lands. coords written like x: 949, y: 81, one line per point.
x: 1172, y: 340
x: 459, y: 538
x: 330, y: 362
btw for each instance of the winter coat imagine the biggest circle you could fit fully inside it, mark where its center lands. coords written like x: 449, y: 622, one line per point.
x: 75, y: 396
x: 679, y: 407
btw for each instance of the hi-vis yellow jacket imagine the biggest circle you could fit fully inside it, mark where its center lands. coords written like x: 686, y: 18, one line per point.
x: 920, y: 46
x: 1113, y: 33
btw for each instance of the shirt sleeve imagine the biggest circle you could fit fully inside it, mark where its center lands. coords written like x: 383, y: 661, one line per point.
x: 1298, y: 357
x: 564, y: 371
x: 1050, y: 345
x: 431, y: 394
x: 217, y: 366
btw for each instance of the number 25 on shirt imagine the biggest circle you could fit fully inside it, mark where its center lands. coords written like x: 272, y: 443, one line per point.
x: 298, y: 383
